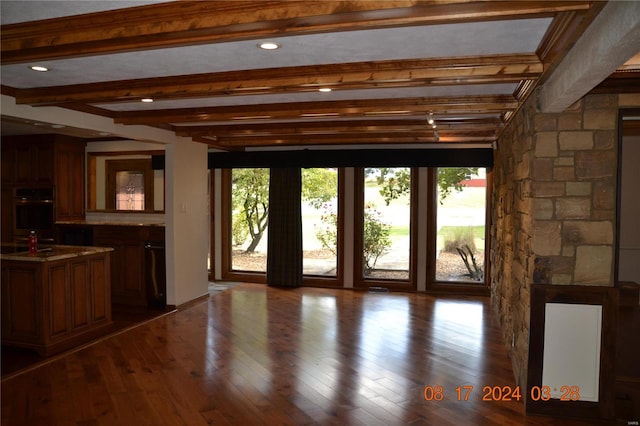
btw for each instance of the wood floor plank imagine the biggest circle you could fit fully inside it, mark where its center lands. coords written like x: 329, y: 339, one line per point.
x: 255, y: 355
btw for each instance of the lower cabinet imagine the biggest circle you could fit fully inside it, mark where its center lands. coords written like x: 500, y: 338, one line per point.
x: 55, y: 305
x: 129, y: 265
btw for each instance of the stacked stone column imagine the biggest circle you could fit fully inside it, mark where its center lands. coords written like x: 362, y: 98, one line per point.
x: 554, y: 206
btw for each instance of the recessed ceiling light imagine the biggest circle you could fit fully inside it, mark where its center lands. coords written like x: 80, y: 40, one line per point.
x: 39, y: 68
x: 58, y: 126
x: 146, y: 100
x: 269, y: 45
x: 324, y: 89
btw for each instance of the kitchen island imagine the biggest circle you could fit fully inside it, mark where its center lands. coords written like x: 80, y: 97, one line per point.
x: 55, y: 299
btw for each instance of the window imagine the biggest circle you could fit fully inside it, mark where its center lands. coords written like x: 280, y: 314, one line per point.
x: 129, y: 185
x: 249, y: 219
x: 461, y: 225
x: 129, y: 190
x: 320, y: 221
x: 384, y: 231
x: 446, y: 247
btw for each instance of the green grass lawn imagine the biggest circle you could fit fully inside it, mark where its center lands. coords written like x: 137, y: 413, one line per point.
x: 399, y: 231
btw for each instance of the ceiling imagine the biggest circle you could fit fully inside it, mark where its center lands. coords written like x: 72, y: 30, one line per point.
x: 391, y: 66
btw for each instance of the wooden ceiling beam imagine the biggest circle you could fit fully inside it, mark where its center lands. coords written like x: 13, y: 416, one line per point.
x: 185, y: 23
x: 351, y: 132
x: 355, y: 136
x: 352, y: 108
x: 381, y: 74
x: 388, y: 138
x: 326, y: 128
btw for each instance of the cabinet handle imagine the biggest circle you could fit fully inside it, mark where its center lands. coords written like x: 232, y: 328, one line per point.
x: 153, y: 246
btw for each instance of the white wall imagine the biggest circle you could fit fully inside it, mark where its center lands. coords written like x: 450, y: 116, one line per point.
x: 187, y: 224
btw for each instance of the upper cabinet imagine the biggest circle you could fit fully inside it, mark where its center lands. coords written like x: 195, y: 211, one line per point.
x: 27, y: 161
x: 47, y: 160
x: 69, y: 180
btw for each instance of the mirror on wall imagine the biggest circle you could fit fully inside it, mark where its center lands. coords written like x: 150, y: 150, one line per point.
x: 124, y: 182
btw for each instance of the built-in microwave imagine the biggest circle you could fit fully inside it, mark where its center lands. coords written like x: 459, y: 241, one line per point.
x: 33, y: 210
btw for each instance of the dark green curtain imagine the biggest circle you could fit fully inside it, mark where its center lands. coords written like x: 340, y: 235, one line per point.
x: 284, y: 252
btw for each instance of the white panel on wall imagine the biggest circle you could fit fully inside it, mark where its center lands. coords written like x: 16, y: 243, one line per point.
x: 572, y: 349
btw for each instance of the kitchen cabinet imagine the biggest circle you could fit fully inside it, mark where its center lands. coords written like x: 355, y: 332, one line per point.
x: 130, y: 264
x: 44, y: 161
x: 68, y: 180
x: 27, y: 161
x: 6, y: 218
x: 47, y: 160
x: 57, y: 299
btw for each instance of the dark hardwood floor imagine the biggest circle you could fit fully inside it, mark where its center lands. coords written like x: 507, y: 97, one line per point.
x: 15, y: 360
x: 258, y: 355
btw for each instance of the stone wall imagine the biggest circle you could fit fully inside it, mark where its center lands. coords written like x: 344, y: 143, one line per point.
x: 553, y: 209
x: 511, y: 253
x: 574, y: 193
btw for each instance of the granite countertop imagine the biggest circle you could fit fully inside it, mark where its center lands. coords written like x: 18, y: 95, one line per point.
x: 106, y: 223
x: 48, y: 253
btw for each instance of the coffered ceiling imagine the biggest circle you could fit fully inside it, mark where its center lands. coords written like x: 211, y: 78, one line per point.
x: 344, y: 72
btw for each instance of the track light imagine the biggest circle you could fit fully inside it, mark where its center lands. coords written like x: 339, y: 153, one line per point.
x: 430, y: 119
x: 432, y: 122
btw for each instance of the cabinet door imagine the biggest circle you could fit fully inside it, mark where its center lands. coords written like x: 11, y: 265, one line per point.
x: 127, y: 263
x: 42, y: 165
x: 80, y: 294
x: 132, y: 290
x: 69, y: 178
x: 9, y: 161
x: 6, y: 226
x: 34, y: 163
x: 59, y: 297
x: 101, y: 296
x: 24, y: 164
x: 21, y: 287
x: 27, y: 160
